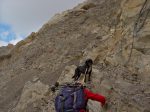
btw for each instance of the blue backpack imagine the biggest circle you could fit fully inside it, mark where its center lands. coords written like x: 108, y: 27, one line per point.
x: 70, y: 99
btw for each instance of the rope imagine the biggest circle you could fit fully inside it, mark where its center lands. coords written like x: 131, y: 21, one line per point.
x: 139, y: 24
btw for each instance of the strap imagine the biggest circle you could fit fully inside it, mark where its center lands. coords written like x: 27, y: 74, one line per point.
x: 74, y: 100
x: 62, y: 103
x: 70, y: 110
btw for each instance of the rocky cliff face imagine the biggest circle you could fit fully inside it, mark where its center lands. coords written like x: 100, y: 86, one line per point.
x: 100, y: 29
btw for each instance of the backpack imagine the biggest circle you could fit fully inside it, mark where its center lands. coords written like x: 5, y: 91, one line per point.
x: 70, y: 99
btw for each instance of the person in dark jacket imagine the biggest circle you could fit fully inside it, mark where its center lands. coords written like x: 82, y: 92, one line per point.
x: 84, y: 94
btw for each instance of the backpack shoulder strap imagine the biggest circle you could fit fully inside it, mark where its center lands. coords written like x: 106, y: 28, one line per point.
x: 62, y: 103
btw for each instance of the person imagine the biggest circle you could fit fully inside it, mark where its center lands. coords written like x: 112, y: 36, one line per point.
x: 88, y: 95
x: 93, y: 96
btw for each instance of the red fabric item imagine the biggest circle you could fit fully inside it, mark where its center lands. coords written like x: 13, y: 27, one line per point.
x: 93, y: 96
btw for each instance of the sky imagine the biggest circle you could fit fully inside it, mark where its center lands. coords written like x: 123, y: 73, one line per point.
x: 18, y: 18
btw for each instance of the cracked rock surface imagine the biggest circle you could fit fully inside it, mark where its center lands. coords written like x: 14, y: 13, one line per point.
x: 97, y: 29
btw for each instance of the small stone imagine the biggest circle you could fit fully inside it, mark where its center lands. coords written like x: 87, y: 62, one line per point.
x: 35, y: 79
